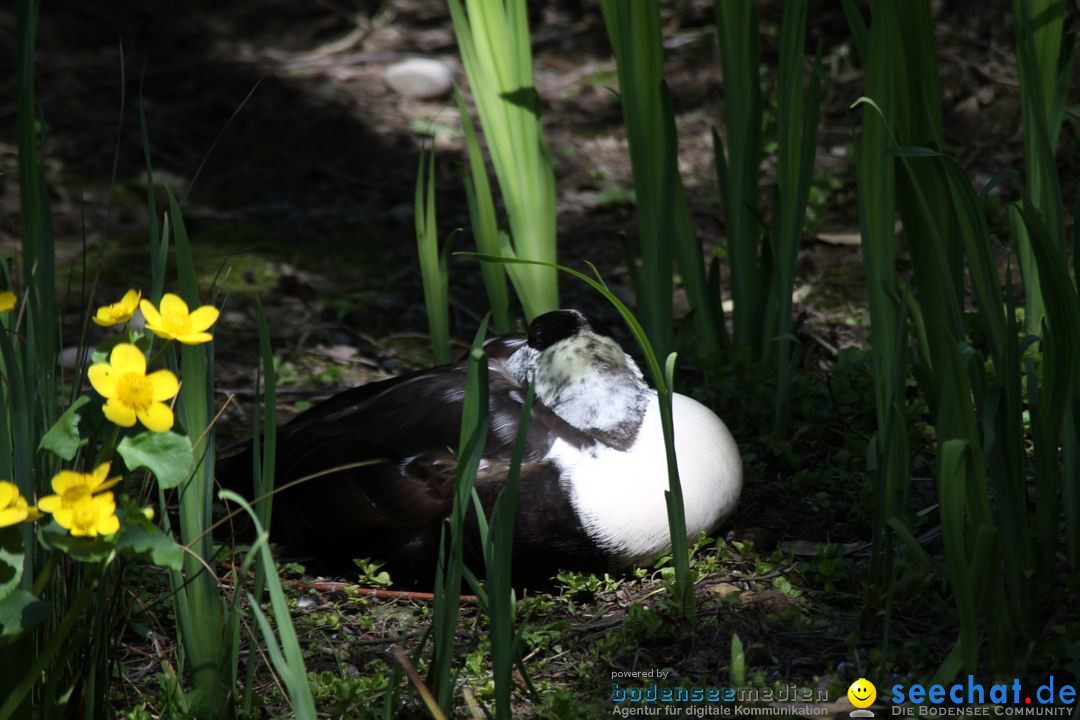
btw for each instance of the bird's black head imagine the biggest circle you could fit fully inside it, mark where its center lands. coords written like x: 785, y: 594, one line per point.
x: 551, y: 327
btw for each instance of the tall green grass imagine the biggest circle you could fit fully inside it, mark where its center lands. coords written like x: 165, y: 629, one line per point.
x: 737, y: 169
x: 485, y: 226
x: 1044, y: 84
x: 664, y: 223
x: 433, y: 265
x: 763, y: 257
x: 450, y: 571
x: 999, y: 536
x: 493, y: 38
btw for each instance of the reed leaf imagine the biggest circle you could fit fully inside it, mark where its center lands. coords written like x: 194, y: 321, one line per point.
x: 199, y: 606
x: 797, y: 117
x: 493, y: 38
x: 474, y: 426
x: 433, y: 270
x: 740, y: 57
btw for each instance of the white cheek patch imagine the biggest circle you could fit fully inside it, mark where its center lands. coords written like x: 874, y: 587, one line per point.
x: 619, y: 496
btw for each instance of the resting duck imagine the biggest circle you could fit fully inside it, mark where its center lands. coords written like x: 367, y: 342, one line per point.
x: 592, y: 479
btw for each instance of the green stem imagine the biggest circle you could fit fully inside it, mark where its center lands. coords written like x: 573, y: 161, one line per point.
x: 159, y: 353
x: 45, y: 574
x: 109, y: 447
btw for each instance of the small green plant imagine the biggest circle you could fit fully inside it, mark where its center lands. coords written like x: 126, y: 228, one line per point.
x: 574, y: 583
x: 371, y: 574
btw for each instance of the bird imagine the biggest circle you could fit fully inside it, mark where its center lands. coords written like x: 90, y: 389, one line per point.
x: 592, y: 477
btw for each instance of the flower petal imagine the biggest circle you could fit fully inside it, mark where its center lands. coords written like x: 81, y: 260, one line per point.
x: 160, y: 331
x: 164, y: 384
x: 108, y: 524
x: 156, y: 417
x: 8, y: 492
x: 153, y: 317
x: 204, y: 317
x: 7, y: 301
x: 11, y: 516
x: 64, y: 517
x: 98, y: 475
x: 195, y: 338
x: 49, y: 503
x: 104, y: 503
x: 103, y: 319
x: 108, y: 484
x: 122, y: 415
x: 173, y: 306
x: 130, y: 301
x: 102, y: 379
x: 67, y: 479
x: 126, y: 358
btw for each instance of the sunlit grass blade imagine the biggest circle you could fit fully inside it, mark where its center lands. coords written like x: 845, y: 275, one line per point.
x: 485, y: 226
x: 493, y: 38
x: 433, y: 269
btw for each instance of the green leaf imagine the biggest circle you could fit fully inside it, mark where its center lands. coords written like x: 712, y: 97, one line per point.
x: 19, y: 612
x: 141, y: 538
x: 63, y: 437
x: 167, y: 455
x: 11, y: 560
x: 83, y: 549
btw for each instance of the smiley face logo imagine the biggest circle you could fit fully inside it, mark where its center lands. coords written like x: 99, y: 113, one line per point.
x: 862, y: 693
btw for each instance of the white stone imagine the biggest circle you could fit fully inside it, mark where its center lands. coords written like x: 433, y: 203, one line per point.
x: 420, y: 78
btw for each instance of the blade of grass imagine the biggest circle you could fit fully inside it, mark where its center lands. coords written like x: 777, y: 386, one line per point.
x: 284, y: 648
x: 740, y: 58
x: 797, y: 117
x: 493, y: 38
x: 474, y: 427
x: 485, y: 227
x: 433, y: 270
x: 200, y: 612
x: 499, y: 554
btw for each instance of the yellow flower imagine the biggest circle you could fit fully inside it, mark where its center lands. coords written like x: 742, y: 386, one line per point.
x: 75, y: 505
x: 130, y: 393
x: 118, y: 312
x: 7, y: 301
x: 13, y: 506
x: 174, y: 322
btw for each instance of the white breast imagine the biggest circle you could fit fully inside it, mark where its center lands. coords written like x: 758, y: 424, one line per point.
x: 619, y: 496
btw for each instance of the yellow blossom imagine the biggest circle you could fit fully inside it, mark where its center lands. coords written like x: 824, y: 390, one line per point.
x: 174, y: 322
x: 7, y: 301
x: 13, y: 506
x: 130, y: 393
x: 118, y: 312
x: 76, y: 507
x: 90, y: 516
